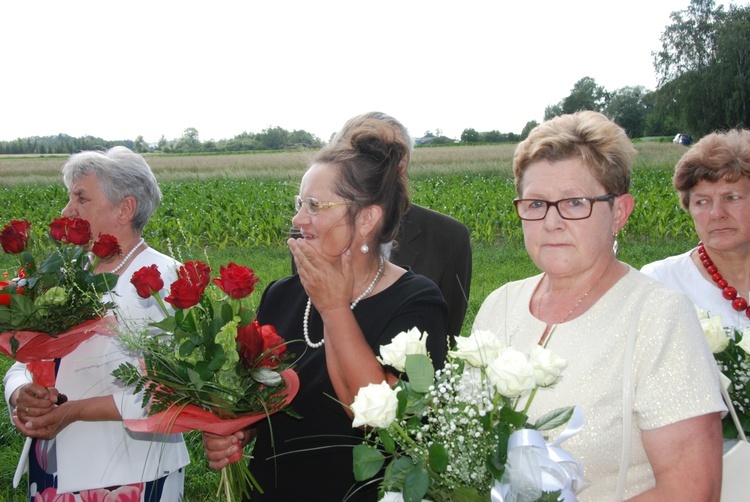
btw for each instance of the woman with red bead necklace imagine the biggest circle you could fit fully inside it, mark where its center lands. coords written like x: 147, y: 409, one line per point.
x: 713, y: 179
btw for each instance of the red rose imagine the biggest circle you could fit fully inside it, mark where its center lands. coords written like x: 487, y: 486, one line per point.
x: 147, y: 280
x: 14, y: 236
x: 183, y: 295
x: 22, y: 226
x: 236, y: 281
x: 106, y: 246
x: 4, y: 297
x: 58, y: 229
x: 74, y: 230
x: 78, y: 232
x: 199, y: 274
x: 256, y: 340
x: 250, y: 343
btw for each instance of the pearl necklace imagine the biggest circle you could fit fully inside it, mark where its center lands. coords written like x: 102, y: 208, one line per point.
x: 729, y: 292
x: 127, y: 257
x: 353, y: 304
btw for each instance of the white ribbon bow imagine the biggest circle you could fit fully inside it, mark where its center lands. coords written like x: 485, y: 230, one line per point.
x: 533, y: 466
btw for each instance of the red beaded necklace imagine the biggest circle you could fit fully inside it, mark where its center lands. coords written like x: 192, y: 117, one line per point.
x: 729, y: 292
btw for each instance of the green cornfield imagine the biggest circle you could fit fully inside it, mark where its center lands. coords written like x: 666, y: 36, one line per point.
x: 221, y: 208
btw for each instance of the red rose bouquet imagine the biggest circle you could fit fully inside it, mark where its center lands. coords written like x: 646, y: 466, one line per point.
x: 54, y: 304
x: 214, y: 368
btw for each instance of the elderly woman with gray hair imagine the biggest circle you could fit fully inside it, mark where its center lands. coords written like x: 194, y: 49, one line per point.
x: 80, y: 447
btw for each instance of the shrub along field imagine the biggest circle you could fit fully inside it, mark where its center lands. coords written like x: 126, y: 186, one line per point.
x: 221, y: 208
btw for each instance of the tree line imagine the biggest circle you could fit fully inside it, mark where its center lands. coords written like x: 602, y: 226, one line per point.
x: 703, y: 70
x: 272, y: 138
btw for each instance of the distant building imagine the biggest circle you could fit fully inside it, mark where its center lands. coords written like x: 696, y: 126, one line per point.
x: 426, y: 140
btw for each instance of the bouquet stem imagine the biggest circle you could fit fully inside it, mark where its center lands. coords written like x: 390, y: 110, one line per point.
x: 237, y: 481
x: 43, y: 372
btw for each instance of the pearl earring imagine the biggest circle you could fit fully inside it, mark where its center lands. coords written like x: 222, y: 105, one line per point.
x: 365, y: 248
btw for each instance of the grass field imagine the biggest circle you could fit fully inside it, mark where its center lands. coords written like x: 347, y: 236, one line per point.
x: 473, y: 184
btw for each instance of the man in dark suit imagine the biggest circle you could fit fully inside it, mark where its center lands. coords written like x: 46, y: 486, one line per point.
x: 432, y: 244
x: 438, y: 247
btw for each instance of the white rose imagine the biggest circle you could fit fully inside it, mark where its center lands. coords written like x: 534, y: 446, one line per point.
x: 477, y: 349
x: 548, y: 366
x: 375, y: 406
x: 717, y: 337
x: 745, y: 343
x: 404, y: 344
x: 511, y: 373
x: 702, y: 314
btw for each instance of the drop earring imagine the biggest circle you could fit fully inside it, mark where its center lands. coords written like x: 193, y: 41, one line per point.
x: 615, y: 245
x: 364, y: 248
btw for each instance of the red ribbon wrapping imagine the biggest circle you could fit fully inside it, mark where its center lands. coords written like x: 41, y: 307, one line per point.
x: 190, y: 417
x: 34, y: 346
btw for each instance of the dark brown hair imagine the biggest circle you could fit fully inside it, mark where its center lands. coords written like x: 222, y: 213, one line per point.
x: 367, y: 159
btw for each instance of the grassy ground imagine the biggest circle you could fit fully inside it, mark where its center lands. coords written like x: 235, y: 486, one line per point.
x: 493, y: 266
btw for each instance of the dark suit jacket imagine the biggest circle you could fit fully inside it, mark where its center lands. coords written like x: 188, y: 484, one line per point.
x: 438, y: 247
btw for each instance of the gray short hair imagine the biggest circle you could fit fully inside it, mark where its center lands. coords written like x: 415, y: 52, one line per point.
x: 121, y: 173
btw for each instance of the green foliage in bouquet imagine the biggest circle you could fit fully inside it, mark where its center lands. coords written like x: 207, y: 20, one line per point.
x: 209, y: 353
x: 731, y: 349
x: 59, y: 291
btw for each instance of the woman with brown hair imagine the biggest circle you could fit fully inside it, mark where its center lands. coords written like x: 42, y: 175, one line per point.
x: 713, y: 181
x: 345, y: 301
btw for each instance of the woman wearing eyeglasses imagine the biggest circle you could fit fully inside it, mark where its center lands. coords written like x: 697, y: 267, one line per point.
x: 638, y: 363
x: 345, y: 301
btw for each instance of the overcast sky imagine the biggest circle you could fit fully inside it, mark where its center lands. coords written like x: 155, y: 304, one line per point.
x: 117, y: 69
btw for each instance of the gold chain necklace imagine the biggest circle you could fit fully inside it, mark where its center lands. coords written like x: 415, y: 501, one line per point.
x: 578, y: 304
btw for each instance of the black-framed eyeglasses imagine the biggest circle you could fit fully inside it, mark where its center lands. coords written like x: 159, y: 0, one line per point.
x: 313, y: 206
x: 572, y: 208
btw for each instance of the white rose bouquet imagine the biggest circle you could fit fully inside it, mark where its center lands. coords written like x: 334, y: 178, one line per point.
x: 731, y: 349
x: 456, y: 434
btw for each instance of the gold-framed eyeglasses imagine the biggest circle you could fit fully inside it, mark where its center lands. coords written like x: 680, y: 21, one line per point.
x: 313, y: 206
x: 572, y: 208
